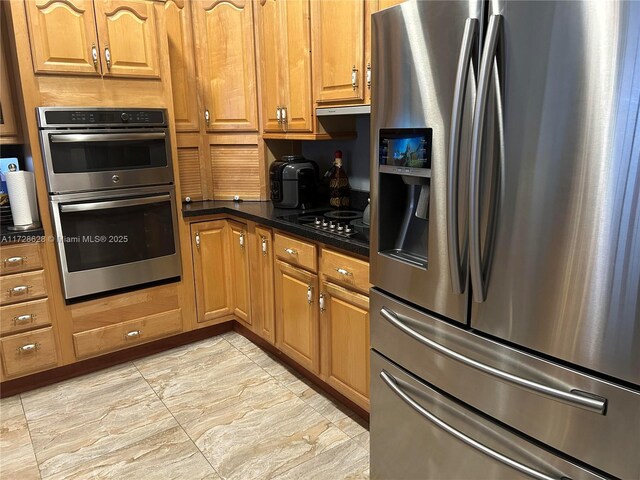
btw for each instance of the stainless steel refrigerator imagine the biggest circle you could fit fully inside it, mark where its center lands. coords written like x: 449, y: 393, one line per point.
x: 505, y: 249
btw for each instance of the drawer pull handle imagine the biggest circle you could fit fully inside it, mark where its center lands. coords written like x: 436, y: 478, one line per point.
x: 132, y: 334
x: 20, y: 319
x: 575, y: 398
x: 344, y: 272
x: 19, y: 290
x: 107, y: 56
x: 14, y: 261
x: 241, y: 240
x: 28, y: 348
x: 321, y: 302
x: 291, y: 251
x: 309, y: 295
x: 264, y: 245
x: 395, y: 387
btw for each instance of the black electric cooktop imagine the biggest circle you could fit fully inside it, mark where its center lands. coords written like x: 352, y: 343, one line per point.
x: 339, y: 223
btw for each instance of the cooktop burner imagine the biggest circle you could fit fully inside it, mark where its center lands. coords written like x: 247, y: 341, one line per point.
x: 341, y: 223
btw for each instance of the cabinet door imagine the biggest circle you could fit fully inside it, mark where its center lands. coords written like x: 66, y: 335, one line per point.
x: 297, y: 66
x: 226, y: 63
x: 9, y: 130
x: 63, y: 36
x: 337, y: 36
x: 127, y: 32
x: 297, y: 315
x: 212, y: 269
x: 183, y: 71
x: 240, y: 271
x: 269, y: 39
x: 344, y: 323
x: 263, y: 294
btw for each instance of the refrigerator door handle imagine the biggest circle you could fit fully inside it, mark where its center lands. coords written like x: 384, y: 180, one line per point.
x: 488, y: 55
x: 572, y: 397
x: 392, y: 383
x: 462, y: 77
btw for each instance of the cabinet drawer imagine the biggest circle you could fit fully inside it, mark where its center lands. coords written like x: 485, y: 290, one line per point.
x: 24, y: 316
x: 345, y: 270
x: 29, y: 352
x: 22, y: 286
x: 126, y: 334
x: 296, y: 252
x: 20, y: 258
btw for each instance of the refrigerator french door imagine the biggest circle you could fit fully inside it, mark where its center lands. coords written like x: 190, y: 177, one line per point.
x: 522, y: 174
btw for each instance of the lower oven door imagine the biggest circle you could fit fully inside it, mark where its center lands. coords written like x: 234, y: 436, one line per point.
x: 420, y: 433
x: 116, y: 239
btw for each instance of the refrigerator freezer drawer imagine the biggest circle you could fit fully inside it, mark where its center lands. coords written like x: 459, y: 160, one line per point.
x: 590, y: 419
x: 418, y: 433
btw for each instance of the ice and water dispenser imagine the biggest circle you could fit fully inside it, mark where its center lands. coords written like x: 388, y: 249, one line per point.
x: 403, y: 190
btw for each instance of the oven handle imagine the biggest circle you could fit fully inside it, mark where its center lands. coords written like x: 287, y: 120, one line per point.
x: 82, y: 207
x: 105, y: 137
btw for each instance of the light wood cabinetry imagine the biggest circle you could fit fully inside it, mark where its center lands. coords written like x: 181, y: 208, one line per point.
x: 226, y: 64
x: 21, y: 287
x: 345, y: 270
x: 9, y: 121
x: 283, y: 31
x: 338, y: 41
x: 212, y: 270
x: 24, y: 316
x: 183, y: 73
x: 344, y: 323
x: 94, y: 37
x: 262, y: 285
x: 20, y: 258
x: 297, y: 329
x: 296, y: 252
x: 29, y: 352
x: 240, y: 271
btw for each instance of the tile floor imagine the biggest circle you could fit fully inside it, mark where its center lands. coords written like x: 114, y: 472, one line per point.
x: 219, y: 408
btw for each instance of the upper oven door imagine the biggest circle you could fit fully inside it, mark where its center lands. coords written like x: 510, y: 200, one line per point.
x: 83, y: 160
x: 117, y: 239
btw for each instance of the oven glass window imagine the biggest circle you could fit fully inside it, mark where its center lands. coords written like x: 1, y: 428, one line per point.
x: 92, y: 156
x: 113, y: 236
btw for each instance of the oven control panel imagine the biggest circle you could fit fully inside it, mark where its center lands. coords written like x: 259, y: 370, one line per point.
x: 101, y: 117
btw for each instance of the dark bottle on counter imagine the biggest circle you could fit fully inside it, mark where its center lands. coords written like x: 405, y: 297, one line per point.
x: 339, y: 189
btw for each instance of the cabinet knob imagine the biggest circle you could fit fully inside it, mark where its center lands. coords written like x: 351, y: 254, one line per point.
x: 291, y: 251
x: 344, y: 272
x: 132, y: 334
x: 369, y: 76
x: 14, y: 261
x: 94, y: 56
x: 107, y: 56
x: 354, y: 77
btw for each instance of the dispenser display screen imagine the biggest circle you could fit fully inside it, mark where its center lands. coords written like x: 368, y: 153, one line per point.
x: 405, y: 149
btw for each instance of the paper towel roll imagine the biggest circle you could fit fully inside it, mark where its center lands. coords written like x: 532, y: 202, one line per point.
x: 22, y: 197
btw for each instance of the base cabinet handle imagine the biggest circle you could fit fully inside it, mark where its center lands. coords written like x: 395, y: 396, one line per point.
x: 309, y: 294
x: 22, y: 319
x: 133, y: 334
x: 19, y: 290
x: 345, y: 272
x: 291, y: 251
x: 321, y: 300
x: 14, y: 261
x: 264, y: 245
x: 28, y: 348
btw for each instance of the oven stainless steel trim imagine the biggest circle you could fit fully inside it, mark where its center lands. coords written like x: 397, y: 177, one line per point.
x: 103, y: 180
x: 42, y: 119
x: 81, y: 207
x: 87, y: 282
x: 105, y: 137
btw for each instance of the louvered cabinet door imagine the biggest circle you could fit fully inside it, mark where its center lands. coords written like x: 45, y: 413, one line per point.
x: 63, y: 36
x: 226, y: 64
x: 128, y: 38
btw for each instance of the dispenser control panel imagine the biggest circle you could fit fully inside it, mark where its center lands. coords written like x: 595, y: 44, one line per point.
x: 406, y: 151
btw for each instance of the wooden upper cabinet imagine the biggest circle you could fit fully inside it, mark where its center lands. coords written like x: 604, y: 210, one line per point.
x: 212, y: 270
x: 337, y: 37
x: 9, y: 121
x: 63, y: 36
x: 240, y: 271
x: 298, y: 98
x: 268, y: 30
x: 128, y: 38
x: 183, y: 74
x: 226, y: 64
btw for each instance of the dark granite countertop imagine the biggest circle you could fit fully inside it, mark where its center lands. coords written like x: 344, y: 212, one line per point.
x: 266, y: 214
x: 10, y: 236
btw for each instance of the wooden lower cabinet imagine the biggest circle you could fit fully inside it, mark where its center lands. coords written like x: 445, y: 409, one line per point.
x: 297, y: 329
x: 240, y: 272
x: 212, y: 270
x: 29, y: 352
x: 262, y: 283
x: 344, y: 323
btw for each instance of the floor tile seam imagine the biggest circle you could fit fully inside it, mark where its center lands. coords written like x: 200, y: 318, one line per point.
x: 33, y: 449
x: 180, y: 424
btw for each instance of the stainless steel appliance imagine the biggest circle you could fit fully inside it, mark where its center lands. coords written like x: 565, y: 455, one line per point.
x: 293, y: 182
x: 505, y: 247
x: 338, y: 223
x: 110, y: 237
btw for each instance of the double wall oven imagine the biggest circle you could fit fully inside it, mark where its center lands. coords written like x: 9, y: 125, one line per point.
x: 112, y: 197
